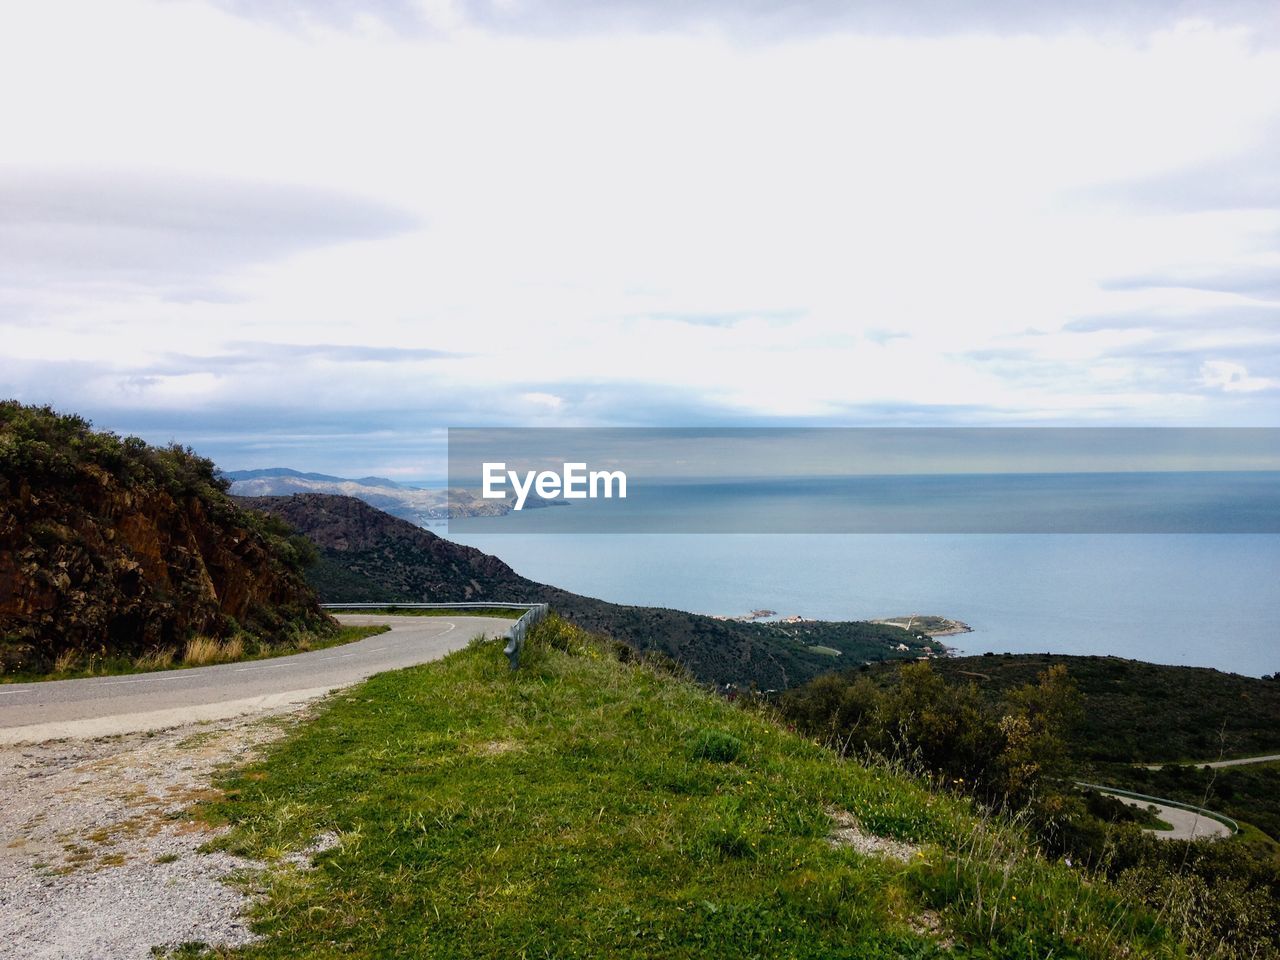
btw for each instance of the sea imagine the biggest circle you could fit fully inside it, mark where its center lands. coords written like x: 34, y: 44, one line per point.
x: 1208, y: 599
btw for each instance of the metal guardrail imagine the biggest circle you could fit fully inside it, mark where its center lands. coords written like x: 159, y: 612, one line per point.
x: 533, y: 613
x: 515, y: 636
x: 1210, y: 814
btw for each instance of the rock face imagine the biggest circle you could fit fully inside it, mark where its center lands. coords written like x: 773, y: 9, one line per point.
x: 111, y: 547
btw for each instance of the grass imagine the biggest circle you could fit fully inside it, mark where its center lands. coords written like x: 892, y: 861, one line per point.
x: 583, y: 807
x: 200, y: 651
x: 196, y: 652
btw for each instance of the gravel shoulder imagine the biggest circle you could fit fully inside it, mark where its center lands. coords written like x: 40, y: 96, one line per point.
x: 99, y: 859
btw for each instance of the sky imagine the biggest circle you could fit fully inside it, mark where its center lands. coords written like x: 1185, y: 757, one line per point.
x: 319, y: 235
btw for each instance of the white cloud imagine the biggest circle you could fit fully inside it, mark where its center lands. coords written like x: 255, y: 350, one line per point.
x: 550, y: 210
x: 1233, y: 378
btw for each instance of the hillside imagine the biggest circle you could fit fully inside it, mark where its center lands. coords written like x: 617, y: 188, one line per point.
x: 366, y: 555
x: 408, y: 503
x: 1141, y: 712
x: 582, y: 807
x: 110, y: 547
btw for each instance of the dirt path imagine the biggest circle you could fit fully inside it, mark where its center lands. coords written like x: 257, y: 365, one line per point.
x: 98, y: 859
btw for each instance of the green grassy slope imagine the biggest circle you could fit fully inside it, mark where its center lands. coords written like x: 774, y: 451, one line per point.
x: 585, y: 807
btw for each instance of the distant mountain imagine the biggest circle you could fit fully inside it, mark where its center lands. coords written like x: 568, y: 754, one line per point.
x: 367, y: 555
x: 109, y: 546
x: 417, y: 506
x: 276, y: 472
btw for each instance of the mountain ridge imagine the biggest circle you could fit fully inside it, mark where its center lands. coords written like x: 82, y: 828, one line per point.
x: 416, y: 505
x: 368, y: 555
x: 265, y: 473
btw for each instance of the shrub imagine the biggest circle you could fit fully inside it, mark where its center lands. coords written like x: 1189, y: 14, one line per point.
x: 715, y: 746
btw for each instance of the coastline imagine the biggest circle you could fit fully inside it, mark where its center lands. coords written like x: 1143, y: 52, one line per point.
x: 928, y: 625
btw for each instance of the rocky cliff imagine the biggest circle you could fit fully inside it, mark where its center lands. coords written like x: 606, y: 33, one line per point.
x: 113, y: 547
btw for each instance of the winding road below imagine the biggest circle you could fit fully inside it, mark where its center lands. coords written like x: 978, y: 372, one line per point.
x: 105, y: 706
x: 1215, y: 764
x: 1186, y: 824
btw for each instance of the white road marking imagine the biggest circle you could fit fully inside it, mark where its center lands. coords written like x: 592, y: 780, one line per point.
x: 116, y: 683
x: 6, y: 693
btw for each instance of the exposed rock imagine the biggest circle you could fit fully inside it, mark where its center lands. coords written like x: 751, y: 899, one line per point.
x: 847, y: 832
x: 109, y: 546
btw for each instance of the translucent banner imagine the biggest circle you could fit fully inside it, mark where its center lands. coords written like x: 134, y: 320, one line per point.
x: 959, y: 480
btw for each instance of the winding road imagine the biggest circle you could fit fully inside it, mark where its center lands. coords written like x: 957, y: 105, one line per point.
x: 1215, y: 764
x: 105, y: 706
x: 1186, y: 824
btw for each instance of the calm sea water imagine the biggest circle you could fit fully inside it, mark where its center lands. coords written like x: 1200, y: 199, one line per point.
x: 1195, y: 599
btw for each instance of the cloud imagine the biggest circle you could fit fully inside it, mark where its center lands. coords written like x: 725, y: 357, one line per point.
x: 726, y: 318
x: 246, y: 354
x: 330, y: 229
x: 754, y: 18
x: 1261, y: 282
x: 1264, y: 318
x: 164, y: 229
x: 1233, y: 378
x: 1243, y: 180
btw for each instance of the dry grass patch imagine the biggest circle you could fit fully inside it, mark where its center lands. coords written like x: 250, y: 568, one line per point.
x: 205, y: 650
x: 159, y: 659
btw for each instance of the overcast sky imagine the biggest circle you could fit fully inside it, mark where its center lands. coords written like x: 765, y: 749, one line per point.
x: 306, y: 235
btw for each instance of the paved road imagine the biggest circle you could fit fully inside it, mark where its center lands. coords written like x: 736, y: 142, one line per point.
x: 1187, y: 824
x: 104, y: 706
x: 1217, y: 764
